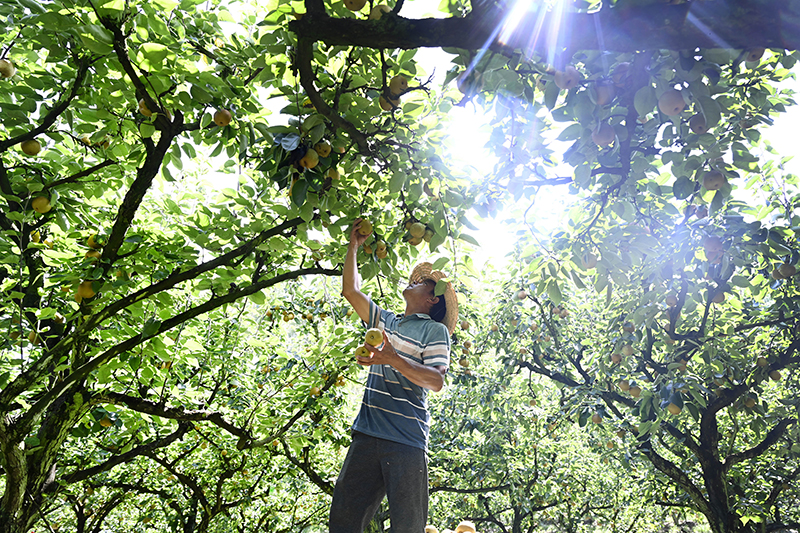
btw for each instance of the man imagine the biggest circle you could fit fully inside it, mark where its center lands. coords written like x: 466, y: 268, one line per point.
x: 388, y: 455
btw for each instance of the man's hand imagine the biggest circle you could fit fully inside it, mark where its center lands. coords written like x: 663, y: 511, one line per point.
x: 429, y: 377
x: 356, y: 238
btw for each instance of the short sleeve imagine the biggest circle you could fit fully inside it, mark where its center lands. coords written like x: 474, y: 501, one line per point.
x: 437, y: 349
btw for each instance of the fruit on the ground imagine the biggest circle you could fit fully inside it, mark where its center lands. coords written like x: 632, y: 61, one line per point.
x: 365, y: 227
x: 377, y: 12
x: 93, y: 242
x: 398, y: 85
x: 605, y: 92
x: 714, y: 180
x: 373, y: 337
x: 323, y: 149
x: 362, y: 352
x: 588, y: 261
x: 387, y: 104
x: 754, y: 54
x: 85, y: 290
x: 464, y: 325
x: 787, y: 270
x: 603, y: 134
x: 671, y: 102
x: 567, y: 78
x: 624, y: 384
x: 314, y: 391
x: 7, y: 68
x: 521, y: 295
x: 310, y: 160
x: 635, y: 391
x: 31, y: 147
x: 674, y: 409
x: 355, y: 5
x: 627, y: 350
x: 222, y: 117
x: 762, y: 361
x: 775, y: 375
x: 41, y: 204
x: 698, y: 124
x: 143, y: 109
x: 597, y: 419
x: 417, y: 229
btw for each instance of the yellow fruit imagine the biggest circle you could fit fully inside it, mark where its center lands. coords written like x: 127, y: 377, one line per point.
x: 7, y: 68
x: 368, y: 249
x: 92, y: 254
x: 417, y: 229
x: 465, y: 527
x: 315, y: 391
x: 605, y: 92
x: 616, y: 358
x: 362, y: 352
x: 674, y: 409
x: 35, y: 236
x: 34, y: 338
x: 714, y: 180
x: 85, y: 290
x: 597, y: 419
x: 671, y: 300
x: 775, y: 375
x: 388, y: 104
x: 463, y: 362
x: 310, y: 160
x: 31, y: 147
x: 380, y: 245
x: 495, y: 327
x: 106, y: 422
x: 382, y: 254
x: 41, y: 204
x: 365, y: 227
x: 567, y: 78
x: 787, y: 270
x: 323, y: 149
x: 750, y: 402
x: 627, y: 350
x: 414, y: 241
x: 398, y: 85
x: 762, y: 361
x: 94, y: 242
x: 635, y: 391
x: 464, y: 325
x: 671, y: 102
x: 754, y: 54
x: 603, y: 135
x: 143, y: 109
x: 521, y: 295
x: 333, y: 174
x: 698, y: 124
x: 623, y: 384
x: 222, y: 117
x: 377, y: 12
x: 374, y: 337
x: 355, y: 5
x: 431, y: 529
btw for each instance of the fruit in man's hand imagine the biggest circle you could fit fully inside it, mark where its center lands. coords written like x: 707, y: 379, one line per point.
x: 31, y: 147
x: 355, y: 5
x: 417, y: 229
x: 377, y: 12
x: 323, y: 149
x: 398, y: 85
x: 7, y: 68
x: 603, y: 134
x: 310, y: 160
x: 567, y: 78
x: 41, y: 204
x: 698, y: 124
x: 365, y: 227
x: 373, y: 337
x: 714, y: 180
x: 671, y: 102
x: 362, y: 352
x: 222, y: 117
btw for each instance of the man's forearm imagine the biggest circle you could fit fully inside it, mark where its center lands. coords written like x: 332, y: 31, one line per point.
x: 350, y: 281
x: 429, y: 377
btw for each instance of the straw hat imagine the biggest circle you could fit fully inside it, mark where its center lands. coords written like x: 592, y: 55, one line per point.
x: 465, y: 527
x: 425, y: 271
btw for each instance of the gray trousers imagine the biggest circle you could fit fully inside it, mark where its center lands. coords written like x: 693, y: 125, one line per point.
x: 374, y: 468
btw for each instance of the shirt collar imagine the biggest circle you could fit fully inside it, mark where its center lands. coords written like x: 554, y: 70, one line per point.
x: 421, y: 316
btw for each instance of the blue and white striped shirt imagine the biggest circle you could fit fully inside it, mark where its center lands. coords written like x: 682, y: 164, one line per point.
x: 393, y: 407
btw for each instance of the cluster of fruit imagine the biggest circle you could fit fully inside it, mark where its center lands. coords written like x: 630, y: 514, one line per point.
x: 373, y: 337
x: 397, y: 86
x: 417, y: 232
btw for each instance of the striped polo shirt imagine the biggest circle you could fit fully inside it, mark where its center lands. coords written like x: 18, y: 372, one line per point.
x: 393, y: 407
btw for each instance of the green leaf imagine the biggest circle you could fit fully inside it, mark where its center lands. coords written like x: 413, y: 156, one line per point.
x: 711, y: 110
x: 683, y: 187
x: 645, y: 100
x: 258, y: 298
x: 151, y: 327
x: 554, y: 292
